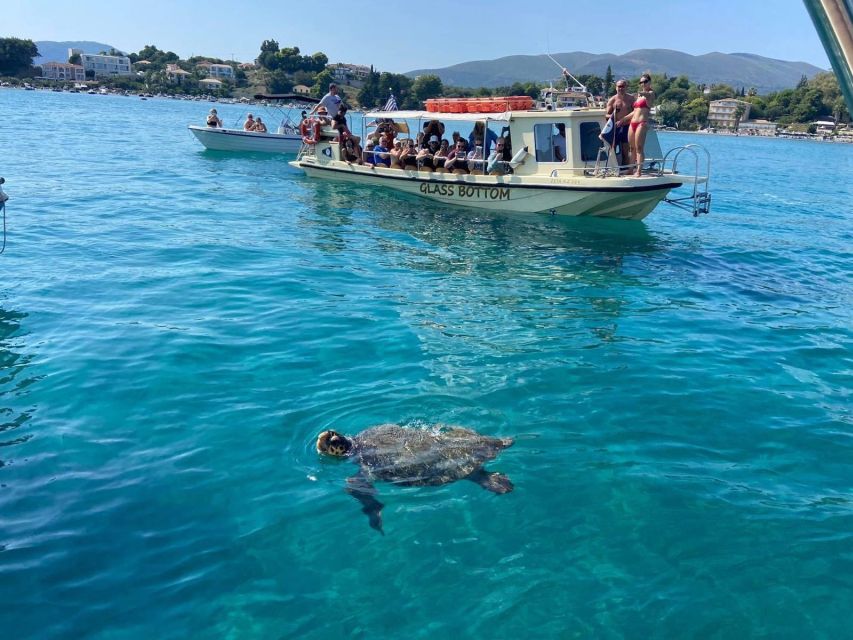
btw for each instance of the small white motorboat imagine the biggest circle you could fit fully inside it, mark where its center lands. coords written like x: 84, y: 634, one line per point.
x: 286, y: 139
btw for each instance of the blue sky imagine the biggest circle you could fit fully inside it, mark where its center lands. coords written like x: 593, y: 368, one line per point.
x: 402, y: 36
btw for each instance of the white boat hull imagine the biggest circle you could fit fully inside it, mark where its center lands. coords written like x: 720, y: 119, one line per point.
x: 629, y: 198
x: 238, y: 140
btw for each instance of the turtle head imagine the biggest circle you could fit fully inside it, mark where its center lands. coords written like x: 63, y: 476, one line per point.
x: 333, y: 443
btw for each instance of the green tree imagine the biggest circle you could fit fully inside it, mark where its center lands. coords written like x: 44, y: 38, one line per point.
x: 608, y: 78
x: 739, y: 111
x: 318, y: 62
x: 803, y: 83
x: 16, y: 56
x: 279, y: 82
x: 809, y: 107
x: 669, y: 113
x: 426, y: 87
x: 720, y: 91
x: 526, y: 89
x: 75, y: 58
x: 321, y: 83
x: 695, y: 112
x: 269, y: 49
x: 288, y: 59
x: 368, y: 96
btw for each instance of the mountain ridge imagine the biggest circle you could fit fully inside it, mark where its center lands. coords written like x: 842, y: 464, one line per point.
x: 735, y: 69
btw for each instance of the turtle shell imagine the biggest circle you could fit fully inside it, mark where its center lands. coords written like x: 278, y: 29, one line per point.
x: 414, y: 457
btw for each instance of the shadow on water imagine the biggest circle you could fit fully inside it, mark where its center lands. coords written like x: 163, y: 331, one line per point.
x: 12, y: 383
x: 459, y: 270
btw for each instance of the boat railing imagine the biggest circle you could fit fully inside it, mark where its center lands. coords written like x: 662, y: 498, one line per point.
x: 699, y: 201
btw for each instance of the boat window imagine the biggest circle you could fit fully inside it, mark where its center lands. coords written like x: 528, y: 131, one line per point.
x: 543, y: 135
x: 590, y: 142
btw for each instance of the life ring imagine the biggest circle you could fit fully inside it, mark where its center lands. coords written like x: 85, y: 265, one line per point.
x: 310, y: 125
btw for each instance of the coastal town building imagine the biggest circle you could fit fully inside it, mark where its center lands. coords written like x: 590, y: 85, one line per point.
x: 210, y: 83
x: 103, y: 65
x: 344, y: 72
x: 825, y: 125
x: 723, y: 114
x: 301, y: 90
x: 63, y: 71
x: 176, y: 75
x: 223, y: 71
x: 757, y: 127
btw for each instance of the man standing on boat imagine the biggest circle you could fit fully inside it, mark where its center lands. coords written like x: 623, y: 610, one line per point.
x: 332, y: 101
x: 617, y: 107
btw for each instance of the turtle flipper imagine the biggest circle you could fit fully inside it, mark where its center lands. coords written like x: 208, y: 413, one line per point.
x: 360, y: 488
x: 492, y: 481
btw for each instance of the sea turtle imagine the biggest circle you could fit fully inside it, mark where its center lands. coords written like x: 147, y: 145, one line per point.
x: 414, y: 457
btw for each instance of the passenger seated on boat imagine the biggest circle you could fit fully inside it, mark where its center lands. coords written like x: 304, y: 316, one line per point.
x: 213, y: 119
x: 408, y: 157
x: 323, y: 116
x: 381, y: 153
x: 260, y: 127
x: 367, y: 155
x: 426, y: 154
x: 396, y: 153
x: 456, y: 159
x: 339, y: 123
x: 475, y: 160
x: 249, y: 125
x: 440, y: 156
x: 499, y: 159
x: 350, y: 151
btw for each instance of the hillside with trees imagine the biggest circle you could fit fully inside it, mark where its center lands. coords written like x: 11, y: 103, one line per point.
x: 681, y: 102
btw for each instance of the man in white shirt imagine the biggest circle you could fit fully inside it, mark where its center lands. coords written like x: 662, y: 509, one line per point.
x: 332, y: 101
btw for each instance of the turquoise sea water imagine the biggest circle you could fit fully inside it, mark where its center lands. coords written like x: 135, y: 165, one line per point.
x: 177, y: 325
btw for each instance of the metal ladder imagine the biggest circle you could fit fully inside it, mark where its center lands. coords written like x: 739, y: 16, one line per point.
x: 699, y: 201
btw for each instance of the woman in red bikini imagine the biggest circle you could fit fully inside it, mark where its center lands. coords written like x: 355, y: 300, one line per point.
x: 639, y: 119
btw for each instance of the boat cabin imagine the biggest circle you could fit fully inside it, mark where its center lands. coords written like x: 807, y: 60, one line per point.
x: 560, y: 142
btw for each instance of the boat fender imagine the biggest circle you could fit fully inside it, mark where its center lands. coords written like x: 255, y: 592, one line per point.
x: 310, y: 125
x: 518, y: 158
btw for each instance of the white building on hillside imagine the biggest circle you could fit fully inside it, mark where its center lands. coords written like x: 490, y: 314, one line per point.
x: 103, y: 65
x: 721, y: 113
x: 343, y: 72
x: 63, y: 71
x: 224, y: 71
x: 176, y: 75
x: 211, y: 84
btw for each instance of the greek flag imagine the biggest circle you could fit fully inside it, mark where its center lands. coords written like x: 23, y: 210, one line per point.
x: 391, y: 105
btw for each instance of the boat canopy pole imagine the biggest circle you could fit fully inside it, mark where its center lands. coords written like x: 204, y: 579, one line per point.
x: 833, y: 20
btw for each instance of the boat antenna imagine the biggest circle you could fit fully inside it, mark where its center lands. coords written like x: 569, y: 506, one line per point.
x: 566, y: 74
